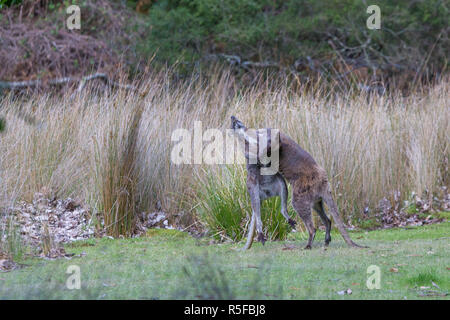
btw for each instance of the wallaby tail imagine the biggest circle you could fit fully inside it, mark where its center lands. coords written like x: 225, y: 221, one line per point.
x: 328, y: 199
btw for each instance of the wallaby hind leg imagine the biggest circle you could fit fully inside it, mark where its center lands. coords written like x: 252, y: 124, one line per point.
x: 284, y: 198
x: 256, y: 212
x: 303, y: 209
x: 253, y: 189
x: 318, y: 207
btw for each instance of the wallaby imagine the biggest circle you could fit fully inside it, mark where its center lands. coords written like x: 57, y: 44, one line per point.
x: 261, y: 187
x: 310, y: 187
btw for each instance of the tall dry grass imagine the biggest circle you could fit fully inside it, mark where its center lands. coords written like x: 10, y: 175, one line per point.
x: 115, y: 165
x: 92, y: 147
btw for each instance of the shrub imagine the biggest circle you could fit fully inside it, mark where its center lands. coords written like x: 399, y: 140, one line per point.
x: 284, y: 31
x: 116, y: 173
x: 423, y: 277
x: 8, y: 3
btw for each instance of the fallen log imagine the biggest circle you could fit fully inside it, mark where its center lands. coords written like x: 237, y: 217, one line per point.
x: 16, y: 85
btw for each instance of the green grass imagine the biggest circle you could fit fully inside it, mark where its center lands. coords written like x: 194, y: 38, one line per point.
x: 274, y: 31
x: 423, y: 278
x: 165, y: 265
x: 2, y: 124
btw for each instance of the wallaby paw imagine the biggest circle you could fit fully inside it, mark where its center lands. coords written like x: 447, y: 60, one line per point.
x: 261, y: 238
x: 308, y: 247
x: 292, y: 223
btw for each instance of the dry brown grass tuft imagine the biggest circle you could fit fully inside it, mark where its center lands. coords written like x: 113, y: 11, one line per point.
x: 115, y: 171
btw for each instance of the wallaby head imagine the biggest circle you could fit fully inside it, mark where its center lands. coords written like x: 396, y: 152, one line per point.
x: 238, y: 128
x: 236, y: 124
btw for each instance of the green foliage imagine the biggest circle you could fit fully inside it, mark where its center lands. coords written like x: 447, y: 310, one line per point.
x: 369, y: 224
x: 2, y: 124
x: 224, y: 203
x: 8, y: 3
x: 286, y: 30
x: 423, y: 277
x: 224, y: 207
x: 116, y: 175
x: 442, y: 215
x: 411, y: 209
x: 51, y: 3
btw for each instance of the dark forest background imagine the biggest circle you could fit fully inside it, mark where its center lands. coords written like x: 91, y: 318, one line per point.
x: 300, y: 38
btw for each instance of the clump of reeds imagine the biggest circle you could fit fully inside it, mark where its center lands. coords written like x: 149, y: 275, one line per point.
x: 117, y: 173
x: 113, y: 149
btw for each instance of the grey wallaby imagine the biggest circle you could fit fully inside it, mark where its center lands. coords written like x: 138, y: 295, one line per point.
x: 310, y: 187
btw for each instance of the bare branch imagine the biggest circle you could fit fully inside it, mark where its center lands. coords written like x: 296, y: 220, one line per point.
x: 15, y: 85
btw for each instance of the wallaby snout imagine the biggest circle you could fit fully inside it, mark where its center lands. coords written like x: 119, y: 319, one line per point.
x: 233, y: 121
x: 236, y: 124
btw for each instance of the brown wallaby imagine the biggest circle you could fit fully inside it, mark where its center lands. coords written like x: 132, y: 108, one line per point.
x: 310, y: 187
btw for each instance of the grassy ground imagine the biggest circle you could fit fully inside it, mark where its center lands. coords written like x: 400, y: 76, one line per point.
x: 171, y: 264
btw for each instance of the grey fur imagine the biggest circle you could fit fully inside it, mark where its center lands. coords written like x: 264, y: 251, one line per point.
x: 261, y: 187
